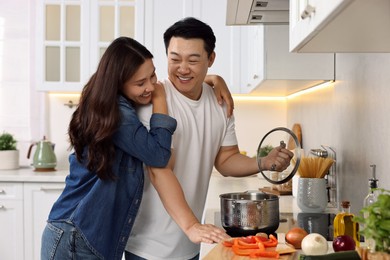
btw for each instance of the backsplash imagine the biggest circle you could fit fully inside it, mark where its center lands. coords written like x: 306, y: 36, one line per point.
x: 353, y: 118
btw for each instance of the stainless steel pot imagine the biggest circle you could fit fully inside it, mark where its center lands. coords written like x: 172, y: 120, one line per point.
x: 248, y: 213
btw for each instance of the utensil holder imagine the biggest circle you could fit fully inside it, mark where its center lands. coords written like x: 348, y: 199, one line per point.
x: 312, y: 195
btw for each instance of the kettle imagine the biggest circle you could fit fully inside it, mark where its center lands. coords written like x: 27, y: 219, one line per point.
x: 44, y: 156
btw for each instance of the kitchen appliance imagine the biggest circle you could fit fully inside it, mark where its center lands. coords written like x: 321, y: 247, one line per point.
x: 321, y: 223
x: 44, y: 157
x: 242, y: 12
x: 251, y: 212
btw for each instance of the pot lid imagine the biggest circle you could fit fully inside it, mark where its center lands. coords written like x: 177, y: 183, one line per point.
x: 276, y: 137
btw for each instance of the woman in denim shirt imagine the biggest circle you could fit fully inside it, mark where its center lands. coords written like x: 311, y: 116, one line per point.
x: 94, y: 215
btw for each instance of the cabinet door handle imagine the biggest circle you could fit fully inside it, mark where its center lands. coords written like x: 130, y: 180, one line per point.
x: 308, y: 11
x: 2, y: 191
x: 44, y: 188
x: 2, y: 207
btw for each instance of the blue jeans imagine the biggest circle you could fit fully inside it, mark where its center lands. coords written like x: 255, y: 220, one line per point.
x: 131, y: 256
x: 61, y: 240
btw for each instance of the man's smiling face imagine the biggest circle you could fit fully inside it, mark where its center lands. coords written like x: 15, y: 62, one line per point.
x: 187, y: 65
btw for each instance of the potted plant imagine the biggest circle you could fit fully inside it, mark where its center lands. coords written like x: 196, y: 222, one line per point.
x: 9, y: 155
x: 375, y: 222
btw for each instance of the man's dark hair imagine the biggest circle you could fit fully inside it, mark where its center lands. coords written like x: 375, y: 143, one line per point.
x: 191, y: 28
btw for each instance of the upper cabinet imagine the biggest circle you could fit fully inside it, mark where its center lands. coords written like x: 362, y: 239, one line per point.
x: 265, y: 65
x: 339, y: 26
x: 249, y: 58
x: 269, y: 69
x: 72, y: 35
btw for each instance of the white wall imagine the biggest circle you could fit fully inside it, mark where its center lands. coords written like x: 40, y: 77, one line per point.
x: 254, y: 119
x: 20, y: 109
x: 353, y: 118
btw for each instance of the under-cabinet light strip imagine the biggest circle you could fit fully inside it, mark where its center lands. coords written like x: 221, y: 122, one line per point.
x: 242, y: 97
x: 312, y: 89
x: 296, y: 94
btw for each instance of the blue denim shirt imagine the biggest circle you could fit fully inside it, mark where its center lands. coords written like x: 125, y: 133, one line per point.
x: 104, y: 211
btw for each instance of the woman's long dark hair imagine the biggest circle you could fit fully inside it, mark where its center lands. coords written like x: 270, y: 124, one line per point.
x: 97, y: 115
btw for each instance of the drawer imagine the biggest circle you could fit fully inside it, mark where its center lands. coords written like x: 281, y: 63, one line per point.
x: 11, y: 191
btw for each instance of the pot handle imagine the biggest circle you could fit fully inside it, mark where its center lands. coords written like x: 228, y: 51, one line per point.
x: 252, y: 191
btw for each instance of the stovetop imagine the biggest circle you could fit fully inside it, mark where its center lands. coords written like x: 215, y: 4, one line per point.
x: 321, y: 223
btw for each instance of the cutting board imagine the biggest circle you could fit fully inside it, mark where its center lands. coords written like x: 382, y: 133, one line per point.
x: 220, y: 252
x: 276, y: 191
x: 296, y: 129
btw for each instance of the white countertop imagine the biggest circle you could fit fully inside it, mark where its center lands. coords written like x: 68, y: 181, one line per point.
x: 219, y: 185
x: 27, y: 174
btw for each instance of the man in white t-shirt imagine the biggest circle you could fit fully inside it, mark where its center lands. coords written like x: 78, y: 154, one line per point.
x: 205, y: 137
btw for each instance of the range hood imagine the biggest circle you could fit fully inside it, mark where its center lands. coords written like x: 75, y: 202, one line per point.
x: 247, y: 12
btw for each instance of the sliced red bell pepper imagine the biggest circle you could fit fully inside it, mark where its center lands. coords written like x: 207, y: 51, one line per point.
x: 253, y: 246
x: 243, y: 244
x: 260, y: 253
x: 248, y: 239
x: 227, y: 243
x: 240, y: 251
x: 260, y: 238
x: 261, y: 246
x: 272, y: 241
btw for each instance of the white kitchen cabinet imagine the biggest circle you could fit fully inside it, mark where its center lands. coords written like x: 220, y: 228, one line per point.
x: 159, y: 15
x: 71, y: 36
x: 38, y: 200
x: 339, y: 26
x: 11, y: 221
x: 227, y: 47
x: 269, y: 69
x: 256, y: 58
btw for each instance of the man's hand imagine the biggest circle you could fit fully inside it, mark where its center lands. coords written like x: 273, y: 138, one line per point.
x: 277, y: 160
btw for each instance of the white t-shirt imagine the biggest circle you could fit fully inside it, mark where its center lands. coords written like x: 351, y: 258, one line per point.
x: 202, y: 128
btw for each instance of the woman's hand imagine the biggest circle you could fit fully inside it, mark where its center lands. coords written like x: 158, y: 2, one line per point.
x: 159, y: 99
x: 206, y: 233
x: 221, y: 91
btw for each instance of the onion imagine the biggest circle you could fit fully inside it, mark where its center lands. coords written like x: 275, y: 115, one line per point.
x: 295, y: 236
x: 343, y: 243
x: 314, y: 244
